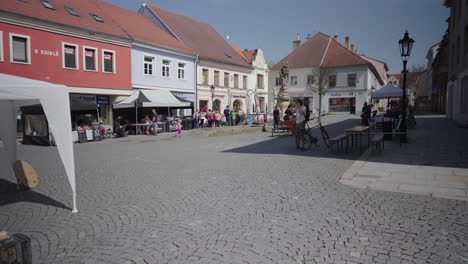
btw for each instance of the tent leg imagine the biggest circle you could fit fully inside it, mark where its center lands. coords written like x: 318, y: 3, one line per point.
x: 74, y: 210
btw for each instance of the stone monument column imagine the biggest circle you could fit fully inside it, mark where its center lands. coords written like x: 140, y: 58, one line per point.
x: 283, y: 96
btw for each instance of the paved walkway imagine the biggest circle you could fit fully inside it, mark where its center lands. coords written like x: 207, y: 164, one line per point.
x: 246, y: 198
x: 435, y: 163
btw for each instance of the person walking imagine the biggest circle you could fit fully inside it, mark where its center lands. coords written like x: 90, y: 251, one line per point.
x: 227, y: 114
x: 217, y: 117
x: 154, y: 121
x: 365, y: 115
x: 233, y: 117
x: 300, y: 125
x: 276, y: 117
x: 210, y: 118
x: 196, y: 119
x: 179, y: 128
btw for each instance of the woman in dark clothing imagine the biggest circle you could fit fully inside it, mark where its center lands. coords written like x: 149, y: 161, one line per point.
x: 276, y: 117
x: 365, y: 115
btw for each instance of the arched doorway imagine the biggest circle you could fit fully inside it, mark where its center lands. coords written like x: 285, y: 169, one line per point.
x: 236, y: 105
x: 217, y: 105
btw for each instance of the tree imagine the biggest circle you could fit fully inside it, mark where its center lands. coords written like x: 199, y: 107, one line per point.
x: 319, y: 84
x: 417, y: 68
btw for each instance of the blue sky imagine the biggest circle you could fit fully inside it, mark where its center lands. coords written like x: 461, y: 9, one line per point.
x: 374, y: 26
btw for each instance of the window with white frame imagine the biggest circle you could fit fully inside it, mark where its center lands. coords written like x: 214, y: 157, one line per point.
x: 244, y: 82
x: 181, y: 71
x: 310, y: 79
x: 352, y: 79
x: 20, y: 48
x: 293, y: 80
x: 1, y: 45
x: 226, y: 79
x: 108, y: 61
x: 70, y: 56
x: 259, y: 81
x: 148, y: 66
x: 90, y: 59
x: 205, y: 76
x: 216, y: 78
x: 236, y: 80
x: 166, y: 68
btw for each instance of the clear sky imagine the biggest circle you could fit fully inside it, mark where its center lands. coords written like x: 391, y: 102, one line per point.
x: 374, y: 26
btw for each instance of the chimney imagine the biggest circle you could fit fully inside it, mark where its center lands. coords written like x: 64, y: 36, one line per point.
x: 346, y: 42
x: 335, y: 37
x: 352, y: 48
x: 296, y: 43
x: 308, y: 36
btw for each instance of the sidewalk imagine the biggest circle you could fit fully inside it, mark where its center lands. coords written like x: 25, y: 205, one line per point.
x: 434, y: 162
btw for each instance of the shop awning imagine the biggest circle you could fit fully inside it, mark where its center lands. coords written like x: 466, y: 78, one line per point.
x: 152, y: 98
x: 388, y: 91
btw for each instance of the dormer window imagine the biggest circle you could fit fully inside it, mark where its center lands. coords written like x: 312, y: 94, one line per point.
x: 71, y: 11
x: 48, y: 4
x: 228, y: 55
x: 97, y: 18
x: 24, y: 1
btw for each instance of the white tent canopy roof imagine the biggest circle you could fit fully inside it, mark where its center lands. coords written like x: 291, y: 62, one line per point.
x: 16, y: 92
x: 152, y: 98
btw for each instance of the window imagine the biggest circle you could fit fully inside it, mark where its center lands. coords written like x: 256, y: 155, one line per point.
x: 181, y: 71
x: 310, y: 79
x: 226, y: 79
x: 259, y: 81
x: 70, y: 56
x: 1, y: 45
x: 166, y: 68
x: 48, y: 4
x: 332, y: 81
x: 90, y: 59
x: 205, y: 76
x: 293, y: 80
x: 278, y: 81
x: 236, y: 80
x: 148, y: 66
x: 97, y: 18
x: 71, y: 11
x: 108, y: 63
x: 216, y: 78
x: 24, y: 1
x: 352, y: 79
x: 244, y: 82
x: 20, y: 49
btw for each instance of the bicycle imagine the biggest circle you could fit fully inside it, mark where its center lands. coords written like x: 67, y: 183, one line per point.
x: 310, y: 139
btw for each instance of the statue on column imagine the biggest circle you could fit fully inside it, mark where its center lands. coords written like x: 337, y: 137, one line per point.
x: 283, y: 97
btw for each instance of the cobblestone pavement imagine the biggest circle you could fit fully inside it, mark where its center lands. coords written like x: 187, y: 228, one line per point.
x: 245, y: 198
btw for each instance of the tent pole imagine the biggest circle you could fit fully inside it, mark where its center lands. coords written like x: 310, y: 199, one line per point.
x: 75, y: 210
x: 136, y: 113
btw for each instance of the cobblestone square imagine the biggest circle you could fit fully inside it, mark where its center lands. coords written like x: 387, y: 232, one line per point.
x: 246, y: 198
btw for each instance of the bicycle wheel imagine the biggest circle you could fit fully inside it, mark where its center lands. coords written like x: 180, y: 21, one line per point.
x: 325, y: 136
x: 307, y: 140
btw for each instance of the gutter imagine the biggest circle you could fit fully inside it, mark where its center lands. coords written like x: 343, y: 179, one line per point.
x: 197, y: 61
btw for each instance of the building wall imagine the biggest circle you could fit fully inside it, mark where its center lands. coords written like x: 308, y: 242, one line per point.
x: 47, y: 60
x: 261, y: 67
x: 457, y: 87
x: 364, y: 79
x: 139, y: 79
x: 227, y: 95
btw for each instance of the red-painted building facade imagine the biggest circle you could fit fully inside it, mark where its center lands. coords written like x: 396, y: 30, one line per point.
x: 70, y: 44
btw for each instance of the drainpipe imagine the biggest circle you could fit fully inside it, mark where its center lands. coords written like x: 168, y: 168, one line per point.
x: 197, y: 60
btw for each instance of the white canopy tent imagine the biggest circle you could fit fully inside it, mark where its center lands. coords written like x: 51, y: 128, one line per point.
x: 16, y: 92
x: 152, y: 98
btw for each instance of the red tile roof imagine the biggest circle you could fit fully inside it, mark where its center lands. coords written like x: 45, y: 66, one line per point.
x: 309, y: 54
x: 200, y: 36
x: 247, y: 55
x: 337, y: 55
x: 84, y: 8
x: 142, y: 29
x: 397, y: 75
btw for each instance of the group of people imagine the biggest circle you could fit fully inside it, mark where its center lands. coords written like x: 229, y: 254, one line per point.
x: 208, y: 118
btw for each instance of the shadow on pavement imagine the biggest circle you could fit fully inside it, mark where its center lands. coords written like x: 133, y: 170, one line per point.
x: 434, y: 141
x: 9, y: 195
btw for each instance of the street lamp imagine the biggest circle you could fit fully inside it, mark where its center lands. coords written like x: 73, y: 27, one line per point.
x: 212, y: 88
x: 406, y: 44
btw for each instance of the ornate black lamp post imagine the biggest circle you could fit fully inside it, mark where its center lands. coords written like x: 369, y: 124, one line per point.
x: 406, y: 43
x: 212, y: 88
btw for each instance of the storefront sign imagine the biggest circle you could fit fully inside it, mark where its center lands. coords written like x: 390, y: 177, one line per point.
x: 102, y: 100
x: 239, y: 96
x: 82, y: 101
x: 186, y: 96
x: 219, y: 95
x: 46, y: 52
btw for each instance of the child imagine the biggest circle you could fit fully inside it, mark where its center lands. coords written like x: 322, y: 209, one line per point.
x: 179, y: 128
